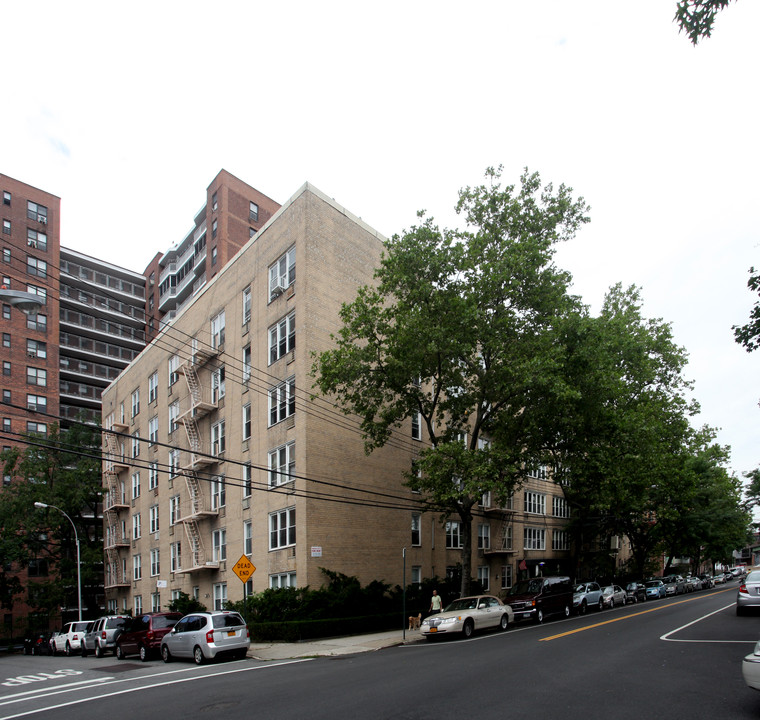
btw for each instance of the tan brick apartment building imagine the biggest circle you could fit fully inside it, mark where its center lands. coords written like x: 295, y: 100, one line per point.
x: 215, y: 449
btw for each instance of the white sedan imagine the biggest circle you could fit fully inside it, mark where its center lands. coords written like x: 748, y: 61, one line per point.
x: 467, y: 615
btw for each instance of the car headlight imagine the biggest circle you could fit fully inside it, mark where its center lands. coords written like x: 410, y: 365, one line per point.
x: 449, y: 620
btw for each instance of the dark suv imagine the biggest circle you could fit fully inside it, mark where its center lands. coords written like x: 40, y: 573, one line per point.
x: 143, y: 634
x: 540, y: 597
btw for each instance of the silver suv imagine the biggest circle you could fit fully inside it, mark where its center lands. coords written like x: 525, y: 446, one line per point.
x: 207, y: 635
x: 106, y: 630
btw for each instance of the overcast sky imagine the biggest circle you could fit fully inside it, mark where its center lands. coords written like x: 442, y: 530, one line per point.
x: 128, y: 111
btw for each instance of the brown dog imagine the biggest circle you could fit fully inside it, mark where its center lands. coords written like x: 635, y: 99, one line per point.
x: 414, y: 621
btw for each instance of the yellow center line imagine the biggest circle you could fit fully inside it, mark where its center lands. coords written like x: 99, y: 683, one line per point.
x: 627, y: 617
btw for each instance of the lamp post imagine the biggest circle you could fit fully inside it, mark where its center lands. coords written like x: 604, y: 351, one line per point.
x: 76, y: 540
x: 24, y: 301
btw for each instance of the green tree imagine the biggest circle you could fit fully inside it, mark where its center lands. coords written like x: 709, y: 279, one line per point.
x: 697, y: 17
x: 185, y: 604
x: 749, y: 335
x: 62, y: 469
x: 460, y: 330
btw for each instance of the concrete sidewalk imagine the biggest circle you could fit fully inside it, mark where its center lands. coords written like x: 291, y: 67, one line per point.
x: 333, y: 646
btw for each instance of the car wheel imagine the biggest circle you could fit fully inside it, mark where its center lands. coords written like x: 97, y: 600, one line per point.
x: 583, y: 608
x: 504, y: 622
x: 120, y: 654
x: 601, y: 604
x: 539, y: 616
x: 198, y: 655
x: 84, y: 651
x: 98, y: 651
x: 68, y: 650
x: 143, y: 653
x: 166, y: 656
x: 567, y: 611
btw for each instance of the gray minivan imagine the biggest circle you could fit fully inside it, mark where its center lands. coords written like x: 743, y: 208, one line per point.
x: 540, y: 597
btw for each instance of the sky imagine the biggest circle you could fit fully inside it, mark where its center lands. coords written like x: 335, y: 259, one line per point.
x: 128, y: 111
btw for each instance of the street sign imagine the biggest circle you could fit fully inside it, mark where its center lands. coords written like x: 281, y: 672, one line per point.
x: 244, y: 568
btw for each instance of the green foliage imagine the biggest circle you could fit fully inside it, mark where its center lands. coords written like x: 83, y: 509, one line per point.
x: 697, y: 17
x: 185, y: 604
x: 749, y: 335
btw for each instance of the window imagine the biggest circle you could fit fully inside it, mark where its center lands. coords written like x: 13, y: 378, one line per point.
x: 135, y: 402
x: 535, y: 503
x: 6, y: 367
x: 247, y: 480
x: 282, y: 528
x: 152, y: 475
x: 217, y: 330
x: 35, y: 427
x: 36, y: 240
x: 6, y: 255
x: 155, y: 562
x: 36, y: 349
x: 153, y: 387
x: 153, y: 519
x: 155, y: 601
x: 219, y: 540
x: 220, y: 596
x: 218, y: 384
x: 484, y: 577
x: 506, y: 577
x: 217, y: 438
x: 537, y: 473
x: 246, y: 305
x: 6, y: 340
x: 282, y: 580
x: 484, y: 536
x: 416, y: 426
x: 246, y: 421
x: 282, y: 337
x: 218, y: 492
x: 138, y: 604
x: 214, y: 230
x: 175, y: 556
x: 135, y: 485
x: 173, y: 415
x: 253, y: 212
x: 36, y: 212
x: 534, y: 538
x: 173, y: 462
x: 560, y: 507
x: 416, y: 535
x: 36, y: 402
x: 36, y: 267
x: 6, y: 424
x: 7, y: 227
x: 153, y: 430
x: 6, y: 197
x: 453, y: 537
x: 174, y: 510
x: 282, y: 464
x: 214, y: 252
x: 136, y: 445
x: 282, y: 401
x: 136, y: 569
x: 559, y: 540
x: 214, y: 203
x: 246, y: 363
x: 283, y: 273
x: 247, y: 537
x: 416, y: 576
x: 37, y: 290
x: 7, y: 397
x: 36, y: 322
x: 174, y: 363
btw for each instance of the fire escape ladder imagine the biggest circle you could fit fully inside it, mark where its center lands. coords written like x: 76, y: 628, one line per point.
x: 193, y: 534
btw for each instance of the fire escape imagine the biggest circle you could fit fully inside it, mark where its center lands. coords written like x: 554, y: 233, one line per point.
x: 503, y: 541
x: 113, y: 503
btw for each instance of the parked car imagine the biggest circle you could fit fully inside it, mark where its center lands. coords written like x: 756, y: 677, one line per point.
x: 613, y: 595
x: 655, y: 589
x: 751, y: 668
x: 674, y: 584
x: 538, y: 598
x: 467, y: 615
x: 719, y: 579
x: 69, y: 640
x: 587, y: 595
x: 694, y: 582
x: 107, y: 630
x: 635, y: 591
x: 37, y: 644
x: 143, y: 634
x: 748, y: 594
x: 89, y: 639
x: 707, y: 581
x: 208, y: 635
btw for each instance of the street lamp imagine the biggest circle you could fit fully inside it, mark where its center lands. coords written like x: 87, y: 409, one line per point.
x: 76, y: 539
x: 27, y: 302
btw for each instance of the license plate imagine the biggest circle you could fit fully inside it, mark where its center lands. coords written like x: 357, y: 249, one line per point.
x: 230, y: 633
x: 433, y: 629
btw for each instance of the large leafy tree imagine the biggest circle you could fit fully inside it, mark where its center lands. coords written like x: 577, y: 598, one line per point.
x: 61, y: 469
x: 749, y: 335
x: 460, y: 329
x: 697, y: 17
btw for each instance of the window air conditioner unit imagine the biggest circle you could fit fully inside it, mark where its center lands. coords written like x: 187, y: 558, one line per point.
x: 278, y: 289
x: 42, y: 219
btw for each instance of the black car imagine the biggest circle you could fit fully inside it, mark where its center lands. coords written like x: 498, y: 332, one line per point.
x: 634, y: 592
x: 37, y: 644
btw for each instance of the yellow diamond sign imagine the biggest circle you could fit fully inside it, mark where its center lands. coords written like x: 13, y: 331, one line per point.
x: 244, y: 568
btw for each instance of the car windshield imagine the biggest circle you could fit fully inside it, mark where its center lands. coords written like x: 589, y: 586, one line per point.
x: 112, y: 623
x: 580, y: 588
x: 227, y: 620
x: 527, y: 587
x: 463, y: 604
x: 653, y: 583
x: 753, y: 577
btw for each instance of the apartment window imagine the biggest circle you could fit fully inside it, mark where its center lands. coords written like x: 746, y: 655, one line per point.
x: 214, y: 230
x: 246, y: 421
x: 153, y: 430
x: 153, y: 387
x: 36, y: 267
x: 220, y: 596
x: 416, y: 576
x: 7, y: 227
x: 153, y: 518
x: 560, y: 507
x: 247, y: 537
x: 6, y: 340
x: 535, y: 503
x: 173, y: 462
x: 214, y: 203
x: 218, y: 389
x: 136, y: 526
x: 282, y: 401
x: 175, y: 556
x: 152, y: 475
x: 6, y: 367
x: 36, y: 322
x: 36, y: 402
x: 246, y: 363
x: 217, y: 330
x: 282, y: 528
x: 484, y: 577
x: 36, y: 212
x: 534, y: 538
x: 246, y: 305
x: 135, y: 402
x: 560, y: 540
x: 282, y: 464
x: 7, y: 397
x: 135, y: 485
x: 36, y: 240
x: 173, y: 415
x: 283, y: 273
x: 537, y: 473
x: 251, y: 232
x: 416, y: 524
x: 219, y: 541
x: 174, y: 363
x: 217, y: 438
x: 247, y: 480
x: 37, y: 290
x: 6, y: 197
x: 506, y: 577
x: 6, y: 425
x: 136, y: 445
x: 6, y: 312
x: 155, y: 562
x: 453, y: 534
x: 155, y: 601
x: 253, y: 212
x: 174, y: 510
x: 6, y: 255
x: 137, y: 571
x: 416, y: 426
x: 36, y: 349
x: 35, y: 427
x: 281, y: 580
x: 484, y: 536
x: 218, y: 493
x: 282, y: 337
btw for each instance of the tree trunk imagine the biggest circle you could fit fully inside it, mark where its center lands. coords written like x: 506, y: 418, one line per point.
x: 466, y: 518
